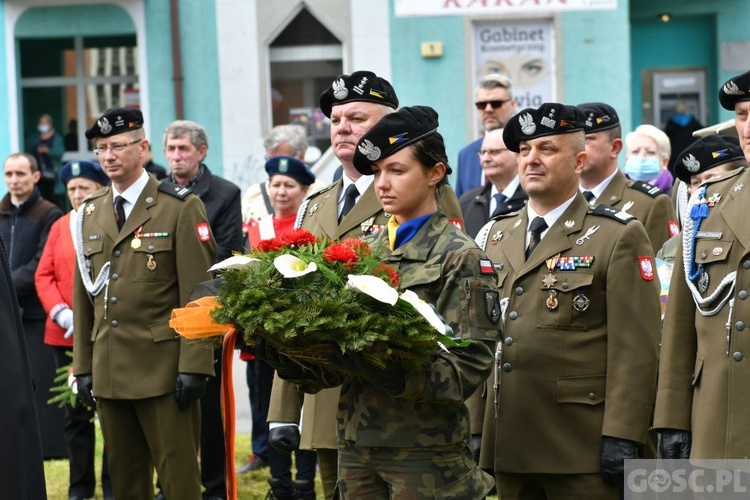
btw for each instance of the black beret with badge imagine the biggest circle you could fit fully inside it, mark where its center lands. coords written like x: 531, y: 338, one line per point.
x: 394, y: 132
x: 705, y: 154
x: 551, y: 118
x: 735, y: 90
x: 116, y: 121
x: 359, y: 86
x: 598, y: 116
x: 291, y: 167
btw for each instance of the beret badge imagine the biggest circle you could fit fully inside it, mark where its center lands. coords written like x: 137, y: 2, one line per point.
x: 691, y: 163
x: 731, y: 88
x: 370, y: 151
x: 339, y: 89
x: 104, y: 125
x: 528, y: 126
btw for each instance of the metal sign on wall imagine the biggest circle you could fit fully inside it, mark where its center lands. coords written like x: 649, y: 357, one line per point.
x: 406, y: 8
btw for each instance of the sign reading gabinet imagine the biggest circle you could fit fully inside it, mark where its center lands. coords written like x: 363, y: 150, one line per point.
x: 406, y: 8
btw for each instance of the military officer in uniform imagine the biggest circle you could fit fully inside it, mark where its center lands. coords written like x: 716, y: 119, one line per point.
x: 602, y: 182
x: 143, y: 246
x: 575, y: 375
x: 346, y: 208
x: 702, y: 401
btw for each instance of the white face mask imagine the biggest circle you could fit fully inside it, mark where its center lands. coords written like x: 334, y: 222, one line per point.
x: 642, y: 168
x: 43, y: 128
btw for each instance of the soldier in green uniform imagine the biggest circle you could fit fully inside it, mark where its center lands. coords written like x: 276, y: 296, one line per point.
x: 602, y: 182
x: 354, y: 103
x: 702, y: 401
x: 142, y: 247
x: 575, y: 374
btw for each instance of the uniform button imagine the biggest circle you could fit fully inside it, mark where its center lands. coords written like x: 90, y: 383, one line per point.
x: 117, y: 253
x: 508, y: 340
x: 519, y: 290
x: 737, y: 356
x: 746, y: 264
x: 592, y: 396
x: 704, y: 255
x: 151, y: 247
x: 742, y: 295
x: 113, y: 300
x: 507, y: 367
x: 740, y: 325
x: 114, y: 323
x: 115, y: 277
x: 565, y: 286
x: 513, y: 315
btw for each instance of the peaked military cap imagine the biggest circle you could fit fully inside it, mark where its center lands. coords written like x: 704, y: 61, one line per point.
x: 705, y: 154
x: 551, y: 118
x: 359, y: 86
x: 83, y: 168
x: 291, y: 167
x: 116, y: 121
x: 735, y: 90
x: 394, y: 132
x: 598, y: 116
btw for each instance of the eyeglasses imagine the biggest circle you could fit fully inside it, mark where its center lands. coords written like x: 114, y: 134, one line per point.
x: 481, y: 105
x: 491, y: 152
x: 115, y: 148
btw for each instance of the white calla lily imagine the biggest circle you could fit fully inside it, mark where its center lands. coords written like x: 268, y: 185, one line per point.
x: 375, y: 287
x: 292, y: 267
x: 234, y: 262
x: 424, y: 309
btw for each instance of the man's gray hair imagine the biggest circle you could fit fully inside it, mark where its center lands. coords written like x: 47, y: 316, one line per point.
x: 178, y: 128
x: 494, y: 81
x: 295, y: 135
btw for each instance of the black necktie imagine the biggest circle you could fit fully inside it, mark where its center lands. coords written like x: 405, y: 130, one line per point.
x: 500, y: 200
x: 120, y: 211
x: 537, y: 228
x: 350, y: 198
x: 589, y: 196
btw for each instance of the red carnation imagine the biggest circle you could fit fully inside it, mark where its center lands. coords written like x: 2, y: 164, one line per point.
x: 298, y: 238
x: 386, y: 272
x: 338, y: 252
x: 270, y: 245
x: 357, y: 245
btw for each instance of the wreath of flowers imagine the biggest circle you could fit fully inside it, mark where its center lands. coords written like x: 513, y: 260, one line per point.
x: 308, y: 297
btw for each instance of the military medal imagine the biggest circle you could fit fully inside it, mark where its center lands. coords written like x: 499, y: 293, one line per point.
x: 496, y: 238
x: 713, y: 199
x: 151, y: 264
x: 549, y: 279
x: 366, y: 226
x: 135, y: 244
x: 313, y: 209
x: 581, y: 303
x: 90, y: 208
x: 552, y: 302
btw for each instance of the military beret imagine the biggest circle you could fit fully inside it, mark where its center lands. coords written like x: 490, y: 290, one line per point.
x: 394, y: 132
x: 735, y: 90
x: 705, y: 154
x: 116, y: 121
x: 359, y: 86
x: 85, y: 169
x: 598, y: 116
x: 291, y: 167
x: 551, y: 118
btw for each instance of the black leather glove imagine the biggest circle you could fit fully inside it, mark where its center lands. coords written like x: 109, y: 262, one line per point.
x: 389, y: 379
x: 284, y: 439
x: 675, y: 444
x: 190, y: 387
x: 85, y: 385
x: 612, y: 457
x: 287, y: 368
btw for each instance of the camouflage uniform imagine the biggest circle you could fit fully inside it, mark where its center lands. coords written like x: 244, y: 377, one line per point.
x: 429, y: 422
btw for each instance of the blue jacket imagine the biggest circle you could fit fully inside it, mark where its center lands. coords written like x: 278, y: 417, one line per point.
x: 469, y: 170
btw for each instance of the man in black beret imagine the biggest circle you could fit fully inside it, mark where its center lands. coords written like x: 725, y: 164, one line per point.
x: 734, y: 95
x: 602, y: 182
x: 143, y: 248
x: 578, y: 365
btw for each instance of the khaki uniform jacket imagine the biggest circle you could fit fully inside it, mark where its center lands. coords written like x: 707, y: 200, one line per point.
x: 645, y: 202
x: 579, y: 356
x: 122, y: 335
x: 319, y: 215
x: 703, y: 380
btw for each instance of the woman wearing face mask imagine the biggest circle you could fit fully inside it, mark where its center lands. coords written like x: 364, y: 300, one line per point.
x: 647, y: 152
x: 48, y: 147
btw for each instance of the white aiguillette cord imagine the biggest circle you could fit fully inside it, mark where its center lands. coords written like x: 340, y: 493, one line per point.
x: 94, y: 287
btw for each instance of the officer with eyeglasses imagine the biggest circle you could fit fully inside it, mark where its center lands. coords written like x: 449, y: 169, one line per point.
x: 495, y: 104
x: 141, y: 248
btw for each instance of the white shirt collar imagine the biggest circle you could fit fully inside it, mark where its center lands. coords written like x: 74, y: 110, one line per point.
x: 362, y: 184
x: 132, y: 193
x: 599, y: 189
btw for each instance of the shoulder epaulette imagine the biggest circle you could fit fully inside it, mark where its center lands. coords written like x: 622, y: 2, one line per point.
x: 612, y: 213
x: 724, y: 176
x: 321, y: 190
x: 645, y: 187
x: 97, y: 194
x: 174, y: 189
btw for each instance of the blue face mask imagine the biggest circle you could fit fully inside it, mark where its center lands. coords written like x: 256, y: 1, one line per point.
x: 642, y: 168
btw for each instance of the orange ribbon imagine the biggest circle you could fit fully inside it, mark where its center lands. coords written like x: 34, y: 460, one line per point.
x: 194, y: 322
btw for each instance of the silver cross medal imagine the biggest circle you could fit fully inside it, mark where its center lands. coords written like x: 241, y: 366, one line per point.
x: 580, y: 241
